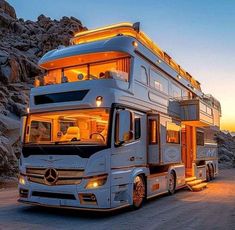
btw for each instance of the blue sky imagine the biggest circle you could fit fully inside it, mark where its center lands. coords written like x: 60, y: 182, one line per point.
x: 199, y: 35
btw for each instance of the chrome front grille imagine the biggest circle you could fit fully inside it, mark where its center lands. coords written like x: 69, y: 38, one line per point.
x: 65, y: 176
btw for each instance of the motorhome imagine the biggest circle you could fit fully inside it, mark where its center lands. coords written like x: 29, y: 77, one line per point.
x: 113, y: 122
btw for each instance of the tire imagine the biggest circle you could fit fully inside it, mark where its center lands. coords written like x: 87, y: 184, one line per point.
x: 139, y: 192
x: 208, y: 178
x: 171, y: 183
x: 212, y: 173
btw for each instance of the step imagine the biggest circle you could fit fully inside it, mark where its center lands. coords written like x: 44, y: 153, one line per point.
x: 194, y: 182
x: 190, y: 179
x: 199, y: 187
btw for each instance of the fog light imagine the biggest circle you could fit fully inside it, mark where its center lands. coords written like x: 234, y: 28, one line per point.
x: 99, y: 100
x: 22, y: 180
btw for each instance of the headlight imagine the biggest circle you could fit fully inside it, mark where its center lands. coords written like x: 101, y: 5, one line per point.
x: 22, y: 180
x: 96, y: 182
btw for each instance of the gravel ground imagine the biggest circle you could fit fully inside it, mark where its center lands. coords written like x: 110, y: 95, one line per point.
x: 212, y: 208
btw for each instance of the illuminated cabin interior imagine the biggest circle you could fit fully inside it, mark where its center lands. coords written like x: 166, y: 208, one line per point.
x: 112, y: 65
x: 88, y: 126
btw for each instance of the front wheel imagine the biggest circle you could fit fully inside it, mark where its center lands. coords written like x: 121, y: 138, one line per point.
x: 171, y: 183
x: 138, y: 192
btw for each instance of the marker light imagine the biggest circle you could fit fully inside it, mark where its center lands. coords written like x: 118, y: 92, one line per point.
x: 159, y: 61
x: 99, y: 100
x: 21, y: 180
x: 179, y: 77
x: 135, y: 44
x: 27, y: 110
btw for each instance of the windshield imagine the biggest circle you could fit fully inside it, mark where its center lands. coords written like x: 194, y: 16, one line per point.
x: 87, y: 126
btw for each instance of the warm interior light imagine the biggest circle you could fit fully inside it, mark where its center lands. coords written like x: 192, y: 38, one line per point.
x: 27, y: 110
x: 99, y: 101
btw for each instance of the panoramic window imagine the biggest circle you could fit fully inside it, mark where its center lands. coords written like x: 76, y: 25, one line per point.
x: 103, y: 65
x: 158, y: 82
x: 172, y: 133
x: 87, y: 126
x: 116, y: 69
x: 77, y: 73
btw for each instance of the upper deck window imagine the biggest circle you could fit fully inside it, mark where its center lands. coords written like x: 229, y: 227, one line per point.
x: 143, y: 75
x: 176, y: 91
x: 158, y: 82
x: 109, y: 65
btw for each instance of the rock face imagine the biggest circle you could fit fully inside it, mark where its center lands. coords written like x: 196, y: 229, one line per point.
x: 226, y: 144
x: 22, y: 43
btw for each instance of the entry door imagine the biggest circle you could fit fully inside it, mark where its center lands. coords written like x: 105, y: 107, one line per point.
x: 153, y: 139
x: 187, y: 148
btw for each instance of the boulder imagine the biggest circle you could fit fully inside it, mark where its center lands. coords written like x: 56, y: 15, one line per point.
x: 7, y: 9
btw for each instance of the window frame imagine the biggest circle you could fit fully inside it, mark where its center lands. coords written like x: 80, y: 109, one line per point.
x: 163, y: 77
x: 199, y: 143
x: 139, y: 125
x: 167, y: 133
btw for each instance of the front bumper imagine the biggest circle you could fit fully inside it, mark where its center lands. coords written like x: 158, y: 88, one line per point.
x: 72, y: 207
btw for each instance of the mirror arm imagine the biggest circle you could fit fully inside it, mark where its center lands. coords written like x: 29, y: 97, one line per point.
x: 120, y: 143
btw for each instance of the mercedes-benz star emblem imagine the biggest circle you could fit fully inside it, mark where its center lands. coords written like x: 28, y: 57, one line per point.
x: 51, y: 176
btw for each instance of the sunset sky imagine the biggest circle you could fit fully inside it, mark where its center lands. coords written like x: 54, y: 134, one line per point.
x: 199, y: 35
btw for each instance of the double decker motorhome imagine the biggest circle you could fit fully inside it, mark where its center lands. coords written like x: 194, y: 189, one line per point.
x: 115, y: 121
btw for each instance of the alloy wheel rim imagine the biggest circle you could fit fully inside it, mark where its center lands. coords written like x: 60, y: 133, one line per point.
x: 139, y: 191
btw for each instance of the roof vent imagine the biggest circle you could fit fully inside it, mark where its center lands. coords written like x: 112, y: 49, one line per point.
x: 136, y: 26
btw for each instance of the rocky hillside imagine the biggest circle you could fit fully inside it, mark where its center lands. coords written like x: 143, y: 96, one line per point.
x: 226, y: 143
x: 22, y: 43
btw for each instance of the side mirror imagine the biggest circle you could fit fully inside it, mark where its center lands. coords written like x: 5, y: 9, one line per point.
x: 124, y: 131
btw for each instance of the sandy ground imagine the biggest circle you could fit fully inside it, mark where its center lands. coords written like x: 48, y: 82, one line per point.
x: 213, y: 208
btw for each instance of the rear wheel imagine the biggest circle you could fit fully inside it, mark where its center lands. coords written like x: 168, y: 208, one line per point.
x: 138, y: 192
x: 212, y: 172
x: 171, y: 183
x: 208, y: 173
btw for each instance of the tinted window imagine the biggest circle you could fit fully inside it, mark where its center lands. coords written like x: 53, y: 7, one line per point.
x: 153, y: 131
x: 200, y: 138
x: 137, y: 128
x: 60, y: 97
